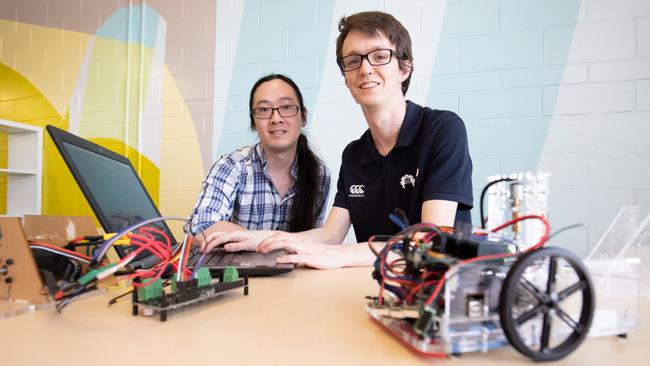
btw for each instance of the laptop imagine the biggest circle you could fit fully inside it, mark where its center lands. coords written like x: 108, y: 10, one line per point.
x: 119, y: 199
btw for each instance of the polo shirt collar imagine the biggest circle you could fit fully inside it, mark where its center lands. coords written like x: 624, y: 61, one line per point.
x: 408, y: 133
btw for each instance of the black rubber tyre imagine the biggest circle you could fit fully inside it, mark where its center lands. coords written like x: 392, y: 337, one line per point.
x: 545, y: 303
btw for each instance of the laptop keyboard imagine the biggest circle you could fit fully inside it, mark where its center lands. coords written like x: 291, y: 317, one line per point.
x: 217, y: 257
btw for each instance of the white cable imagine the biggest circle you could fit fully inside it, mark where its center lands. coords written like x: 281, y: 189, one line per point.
x: 115, y: 268
x: 36, y: 246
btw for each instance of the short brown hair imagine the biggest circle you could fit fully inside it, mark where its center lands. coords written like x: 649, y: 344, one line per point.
x: 374, y: 24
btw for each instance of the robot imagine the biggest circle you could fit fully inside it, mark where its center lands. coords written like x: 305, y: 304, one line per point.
x: 445, y: 293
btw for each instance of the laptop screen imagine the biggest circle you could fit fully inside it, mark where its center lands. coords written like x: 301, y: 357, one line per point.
x: 109, y: 182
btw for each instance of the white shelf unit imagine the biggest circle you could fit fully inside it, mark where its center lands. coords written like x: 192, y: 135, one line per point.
x: 24, y: 169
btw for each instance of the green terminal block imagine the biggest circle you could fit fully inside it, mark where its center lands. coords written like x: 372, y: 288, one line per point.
x: 204, y: 277
x: 150, y: 292
x: 230, y: 274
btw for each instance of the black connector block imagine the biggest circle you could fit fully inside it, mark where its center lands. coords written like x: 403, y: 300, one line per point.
x: 466, y: 248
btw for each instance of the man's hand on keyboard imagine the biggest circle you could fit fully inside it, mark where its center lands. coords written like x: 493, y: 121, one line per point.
x: 236, y: 241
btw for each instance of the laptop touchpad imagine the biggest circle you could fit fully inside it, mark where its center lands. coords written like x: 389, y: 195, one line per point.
x: 253, y: 259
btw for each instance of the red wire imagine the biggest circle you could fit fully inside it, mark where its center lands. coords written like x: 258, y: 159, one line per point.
x: 381, y: 292
x: 496, y: 256
x: 161, y: 233
x: 145, y: 239
x: 59, y: 249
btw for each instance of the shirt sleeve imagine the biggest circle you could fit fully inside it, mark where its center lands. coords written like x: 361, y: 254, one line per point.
x: 340, y: 199
x: 217, y: 198
x: 449, y: 168
x: 324, y: 194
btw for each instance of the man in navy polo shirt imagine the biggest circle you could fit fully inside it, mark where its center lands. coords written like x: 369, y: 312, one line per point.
x: 411, y: 157
x: 429, y: 162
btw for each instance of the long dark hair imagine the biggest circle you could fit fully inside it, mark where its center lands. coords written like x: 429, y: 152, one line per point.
x: 304, y: 214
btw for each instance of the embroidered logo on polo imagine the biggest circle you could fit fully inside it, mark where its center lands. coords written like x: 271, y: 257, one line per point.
x: 357, y: 190
x: 407, y: 179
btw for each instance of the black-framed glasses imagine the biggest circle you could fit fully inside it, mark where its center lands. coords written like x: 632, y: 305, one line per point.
x: 284, y: 111
x: 375, y: 58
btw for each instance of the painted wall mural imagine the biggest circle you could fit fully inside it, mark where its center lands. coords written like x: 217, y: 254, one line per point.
x: 557, y: 85
x: 101, y: 71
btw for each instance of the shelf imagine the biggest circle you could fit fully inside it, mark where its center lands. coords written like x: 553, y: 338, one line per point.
x: 24, y: 168
x: 16, y: 172
x: 16, y: 128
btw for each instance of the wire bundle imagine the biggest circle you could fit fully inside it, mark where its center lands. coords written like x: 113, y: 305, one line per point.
x: 143, y: 239
x: 413, y: 268
x: 39, y: 245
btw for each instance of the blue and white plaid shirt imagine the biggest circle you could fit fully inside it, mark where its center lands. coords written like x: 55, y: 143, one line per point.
x: 239, y: 189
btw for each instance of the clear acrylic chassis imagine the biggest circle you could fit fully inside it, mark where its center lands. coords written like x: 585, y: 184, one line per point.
x: 619, y: 267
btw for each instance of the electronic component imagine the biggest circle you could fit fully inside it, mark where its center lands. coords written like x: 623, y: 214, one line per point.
x: 152, y: 299
x: 188, y: 287
x: 512, y: 196
x: 446, y: 294
x: 21, y: 285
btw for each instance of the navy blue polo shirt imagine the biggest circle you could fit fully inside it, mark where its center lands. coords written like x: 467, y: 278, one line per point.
x: 430, y: 161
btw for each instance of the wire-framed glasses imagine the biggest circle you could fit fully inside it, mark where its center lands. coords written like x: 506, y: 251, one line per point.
x: 375, y: 58
x: 284, y: 111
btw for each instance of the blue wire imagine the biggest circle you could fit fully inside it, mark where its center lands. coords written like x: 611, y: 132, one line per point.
x: 397, y: 221
x: 103, y: 248
x: 399, y: 292
x: 198, y: 264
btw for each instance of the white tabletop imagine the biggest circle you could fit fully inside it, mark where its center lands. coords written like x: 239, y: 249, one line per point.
x: 307, y: 317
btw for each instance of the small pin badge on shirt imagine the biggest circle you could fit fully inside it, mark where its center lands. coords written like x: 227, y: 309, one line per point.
x: 407, y: 179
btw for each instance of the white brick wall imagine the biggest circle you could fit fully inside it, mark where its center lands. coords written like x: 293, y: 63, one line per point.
x: 643, y: 95
x: 617, y: 9
x: 634, y: 69
x: 509, y: 68
x: 589, y: 98
x: 643, y: 36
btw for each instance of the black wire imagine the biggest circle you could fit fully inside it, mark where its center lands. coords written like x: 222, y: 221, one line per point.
x: 559, y: 231
x: 69, y: 298
x: 114, y: 300
x: 484, y: 191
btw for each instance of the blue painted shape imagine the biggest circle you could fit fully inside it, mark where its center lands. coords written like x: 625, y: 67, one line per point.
x: 556, y: 42
x: 506, y: 127
x: 446, y: 101
x: 536, y: 76
x: 303, y: 70
x: 117, y: 25
x: 259, y: 49
x: 501, y: 51
x: 288, y: 14
x: 529, y: 14
x: 465, y: 82
x: 303, y: 41
x: 501, y: 103
x: 471, y: 18
x: 447, y: 57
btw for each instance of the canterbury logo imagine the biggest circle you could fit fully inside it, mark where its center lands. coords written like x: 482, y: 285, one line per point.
x: 357, y: 190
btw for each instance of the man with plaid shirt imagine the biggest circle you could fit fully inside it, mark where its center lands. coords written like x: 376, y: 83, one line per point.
x: 277, y: 184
